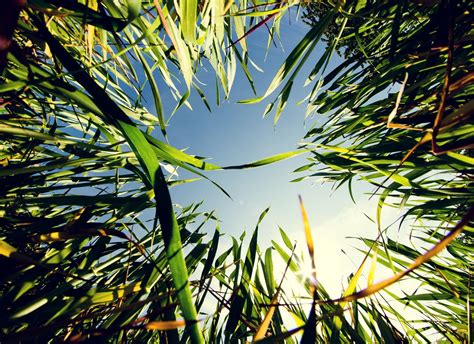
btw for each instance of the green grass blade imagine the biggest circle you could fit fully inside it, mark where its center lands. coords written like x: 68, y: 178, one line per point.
x: 292, y: 60
x: 188, y: 15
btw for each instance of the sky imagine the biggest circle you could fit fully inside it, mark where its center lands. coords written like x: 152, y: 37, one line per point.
x: 236, y: 133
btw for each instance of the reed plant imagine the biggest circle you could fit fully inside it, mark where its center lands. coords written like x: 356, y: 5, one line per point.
x: 92, y: 247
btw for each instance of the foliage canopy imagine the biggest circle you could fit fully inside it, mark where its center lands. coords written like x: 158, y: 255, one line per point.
x: 81, y: 162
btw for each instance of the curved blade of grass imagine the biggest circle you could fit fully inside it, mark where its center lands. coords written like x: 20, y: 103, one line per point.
x: 239, y: 27
x: 267, y: 161
x: 154, y: 90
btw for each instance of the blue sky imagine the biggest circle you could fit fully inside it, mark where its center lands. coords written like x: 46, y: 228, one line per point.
x: 235, y: 133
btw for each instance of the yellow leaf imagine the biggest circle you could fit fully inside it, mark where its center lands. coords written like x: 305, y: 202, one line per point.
x: 262, y: 329
x: 309, y: 243
x: 165, y: 325
x: 307, y: 230
x: 6, y: 249
x: 370, y: 278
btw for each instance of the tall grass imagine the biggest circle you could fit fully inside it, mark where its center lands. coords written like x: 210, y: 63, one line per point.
x: 83, y: 168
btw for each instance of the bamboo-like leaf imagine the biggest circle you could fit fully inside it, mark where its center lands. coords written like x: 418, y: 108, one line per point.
x: 266, y: 161
x: 309, y: 242
x: 179, y: 45
x: 311, y: 37
x: 188, y: 15
x: 155, y: 91
x: 239, y: 23
x: 373, y: 267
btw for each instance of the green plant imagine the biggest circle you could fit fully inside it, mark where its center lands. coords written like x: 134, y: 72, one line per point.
x: 396, y: 114
x: 91, y: 246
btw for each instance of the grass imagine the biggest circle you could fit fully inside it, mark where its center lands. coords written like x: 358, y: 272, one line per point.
x: 82, y: 259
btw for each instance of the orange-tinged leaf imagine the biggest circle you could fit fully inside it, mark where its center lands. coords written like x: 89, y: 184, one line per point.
x: 165, y: 325
x: 262, y: 329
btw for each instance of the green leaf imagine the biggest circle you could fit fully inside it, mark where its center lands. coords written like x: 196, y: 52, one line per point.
x: 266, y: 161
x: 308, y: 42
x: 188, y: 16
